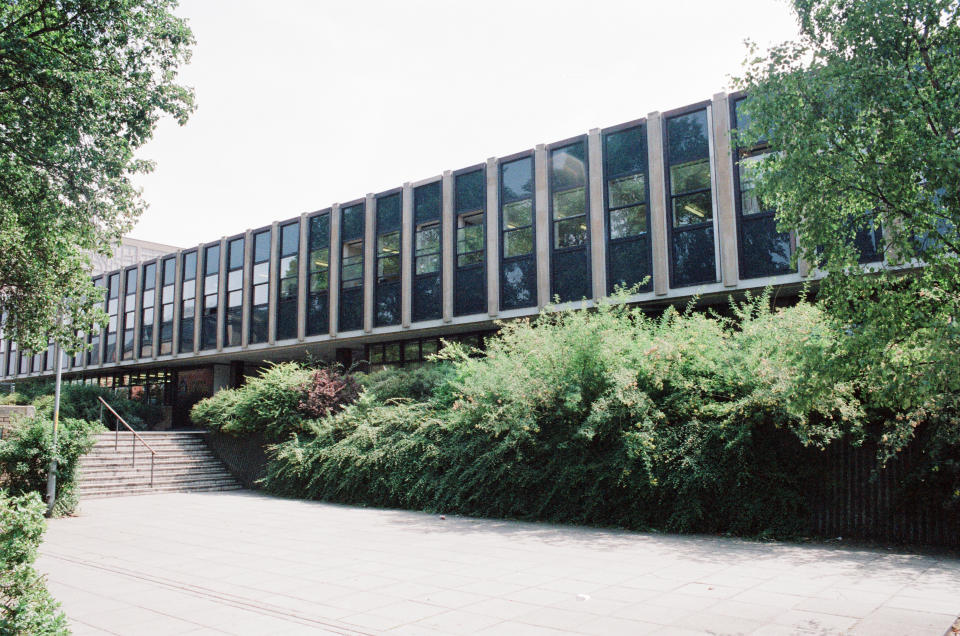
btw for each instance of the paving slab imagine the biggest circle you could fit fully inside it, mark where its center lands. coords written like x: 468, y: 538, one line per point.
x: 247, y: 563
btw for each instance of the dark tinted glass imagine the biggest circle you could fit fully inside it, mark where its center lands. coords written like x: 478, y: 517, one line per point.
x: 764, y: 251
x: 211, y: 260
x: 469, y: 191
x: 518, y: 283
x: 150, y: 276
x: 261, y: 247
x: 169, y: 267
x: 352, y: 223
x: 625, y: 151
x: 568, y: 168
x: 290, y: 239
x: 693, y: 257
x: 517, y: 179
x: 235, y: 254
x: 319, y: 232
x: 571, y: 275
x: 131, y: 282
x: 318, y: 316
x: 687, y: 137
x: 387, y: 310
x: 629, y: 262
x: 113, y: 285
x: 426, y: 298
x: 427, y: 202
x: 189, y: 265
x: 258, y: 324
x: 388, y: 213
x: 470, y: 291
x: 869, y: 244
x: 351, y: 309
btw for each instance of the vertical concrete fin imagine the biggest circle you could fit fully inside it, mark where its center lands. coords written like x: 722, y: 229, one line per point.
x: 543, y: 230
x: 598, y: 243
x: 658, y: 205
x: 449, y: 234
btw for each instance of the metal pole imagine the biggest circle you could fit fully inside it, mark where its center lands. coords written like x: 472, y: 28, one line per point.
x: 52, y: 471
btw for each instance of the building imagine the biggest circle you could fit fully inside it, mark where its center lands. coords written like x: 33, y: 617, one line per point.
x: 129, y: 251
x: 660, y: 201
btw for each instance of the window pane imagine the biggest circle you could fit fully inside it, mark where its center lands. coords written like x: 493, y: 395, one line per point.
x: 320, y: 259
x: 518, y: 242
x: 627, y: 191
x: 517, y: 179
x: 518, y: 214
x: 319, y: 232
x: 260, y: 294
x: 569, y: 203
x: 471, y: 258
x: 261, y: 273
x: 518, y: 283
x: 211, y: 260
x: 289, y: 239
x: 411, y: 351
x: 428, y: 239
x: 388, y: 267
x: 426, y: 202
x: 234, y: 279
x: 692, y: 209
x: 568, y: 167
x: 693, y: 257
x: 189, y: 288
x: 625, y: 151
x: 319, y: 282
x: 388, y: 244
x: 352, y: 222
x: 570, y: 233
x: 687, y: 137
x: 689, y: 176
x: 352, y: 274
x: 628, y: 221
x: 261, y: 247
x: 388, y: 213
x: 189, y: 265
x: 290, y: 267
x: 288, y: 288
x: 235, y: 298
x: 428, y: 264
x: 470, y: 191
x: 235, y: 254
x: 765, y: 251
x: 469, y: 239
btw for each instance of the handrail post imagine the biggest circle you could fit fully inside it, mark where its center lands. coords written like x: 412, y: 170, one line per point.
x: 152, y: 457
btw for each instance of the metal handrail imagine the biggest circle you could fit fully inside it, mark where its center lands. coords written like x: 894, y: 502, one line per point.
x: 116, y: 437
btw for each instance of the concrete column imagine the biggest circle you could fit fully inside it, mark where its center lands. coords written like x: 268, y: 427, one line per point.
x: 157, y: 307
x: 138, y: 310
x: 724, y: 188
x: 369, y: 260
x: 333, y: 293
x: 598, y: 237
x: 449, y: 235
x: 221, y: 293
x: 177, y: 303
x: 658, y: 205
x: 493, y: 237
x: 199, y: 288
x: 303, y: 263
x: 406, y: 257
x: 247, y: 289
x: 543, y: 229
x: 273, y: 286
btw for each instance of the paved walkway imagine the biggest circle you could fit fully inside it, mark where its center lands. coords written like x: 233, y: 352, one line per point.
x: 244, y: 563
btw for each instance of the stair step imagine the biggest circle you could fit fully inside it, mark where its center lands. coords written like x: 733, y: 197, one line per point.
x: 144, y: 482
x: 213, y: 473
x: 153, y: 491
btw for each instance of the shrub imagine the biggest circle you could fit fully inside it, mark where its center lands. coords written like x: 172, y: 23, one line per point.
x: 327, y: 392
x: 419, y: 384
x: 26, y: 606
x: 25, y: 456
x: 79, y: 401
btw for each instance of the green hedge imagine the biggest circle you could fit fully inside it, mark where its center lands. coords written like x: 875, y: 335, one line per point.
x: 79, y: 401
x: 26, y: 606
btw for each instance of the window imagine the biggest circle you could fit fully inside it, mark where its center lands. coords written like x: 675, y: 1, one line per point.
x: 113, y: 307
x: 763, y: 250
x: 353, y: 221
x: 188, y: 299
x: 129, y: 313
x: 147, y: 306
x: 289, y: 281
x: 233, y: 324
x: 387, y: 291
x: 318, y: 302
x: 93, y: 355
x: 690, y: 204
x: 469, y: 206
x: 518, y: 265
x: 260, y: 288
x: 427, y: 299
x: 211, y: 282
x: 570, y: 277
x: 12, y: 359
x: 167, y: 279
x: 629, y: 255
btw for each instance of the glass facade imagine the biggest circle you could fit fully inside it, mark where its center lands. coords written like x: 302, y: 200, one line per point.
x: 690, y: 200
x: 260, y: 288
x: 188, y: 302
x: 129, y: 313
x: 318, y: 282
x: 629, y: 257
x: 570, y: 275
x: 233, y: 321
x: 211, y: 283
x: 518, y: 264
x: 113, y: 308
x: 12, y: 359
x: 387, y: 292
x: 763, y: 250
x: 470, y: 274
x: 428, y: 262
x: 147, y: 306
x: 168, y: 273
x: 289, y: 280
x: 352, y: 224
x: 93, y: 355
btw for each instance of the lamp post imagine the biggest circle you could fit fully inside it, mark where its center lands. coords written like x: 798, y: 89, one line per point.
x: 52, y: 471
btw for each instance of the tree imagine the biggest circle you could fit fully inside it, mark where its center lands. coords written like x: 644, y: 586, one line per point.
x: 862, y: 113
x: 82, y: 86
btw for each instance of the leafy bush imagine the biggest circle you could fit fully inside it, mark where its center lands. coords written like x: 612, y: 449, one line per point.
x: 683, y: 422
x: 25, y: 456
x: 26, y: 606
x: 327, y: 392
x: 419, y: 384
x: 79, y: 401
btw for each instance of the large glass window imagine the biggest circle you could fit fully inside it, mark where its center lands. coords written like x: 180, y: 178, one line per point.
x: 188, y: 301
x: 518, y: 265
x: 570, y: 276
x: 93, y: 354
x: 260, y: 288
x: 289, y: 281
x: 387, y: 292
x: 763, y: 250
x: 168, y: 274
x: 211, y: 283
x: 318, y: 301
x: 12, y: 359
x: 690, y: 206
x: 147, y: 306
x: 427, y: 300
x: 353, y: 221
x: 129, y: 313
x: 628, y: 217
x: 233, y: 323
x: 469, y: 206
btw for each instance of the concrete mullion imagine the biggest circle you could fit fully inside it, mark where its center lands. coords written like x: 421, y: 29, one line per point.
x: 724, y: 186
x: 303, y: 263
x: 493, y: 237
x: 542, y: 207
x: 598, y: 242
x: 449, y: 237
x: 369, y: 260
x: 333, y: 289
x: 406, y: 257
x: 658, y: 205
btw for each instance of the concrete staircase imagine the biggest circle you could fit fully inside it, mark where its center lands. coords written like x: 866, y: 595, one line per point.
x: 183, y: 464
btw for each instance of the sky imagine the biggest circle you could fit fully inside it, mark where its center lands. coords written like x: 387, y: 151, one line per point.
x: 304, y: 103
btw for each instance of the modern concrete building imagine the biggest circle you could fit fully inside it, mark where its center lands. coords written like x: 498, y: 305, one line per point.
x: 661, y: 201
x: 129, y: 251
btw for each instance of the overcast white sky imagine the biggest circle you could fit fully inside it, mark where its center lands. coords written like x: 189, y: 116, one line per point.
x: 305, y: 103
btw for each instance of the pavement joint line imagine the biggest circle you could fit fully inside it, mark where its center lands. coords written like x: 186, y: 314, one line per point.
x: 223, y: 597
